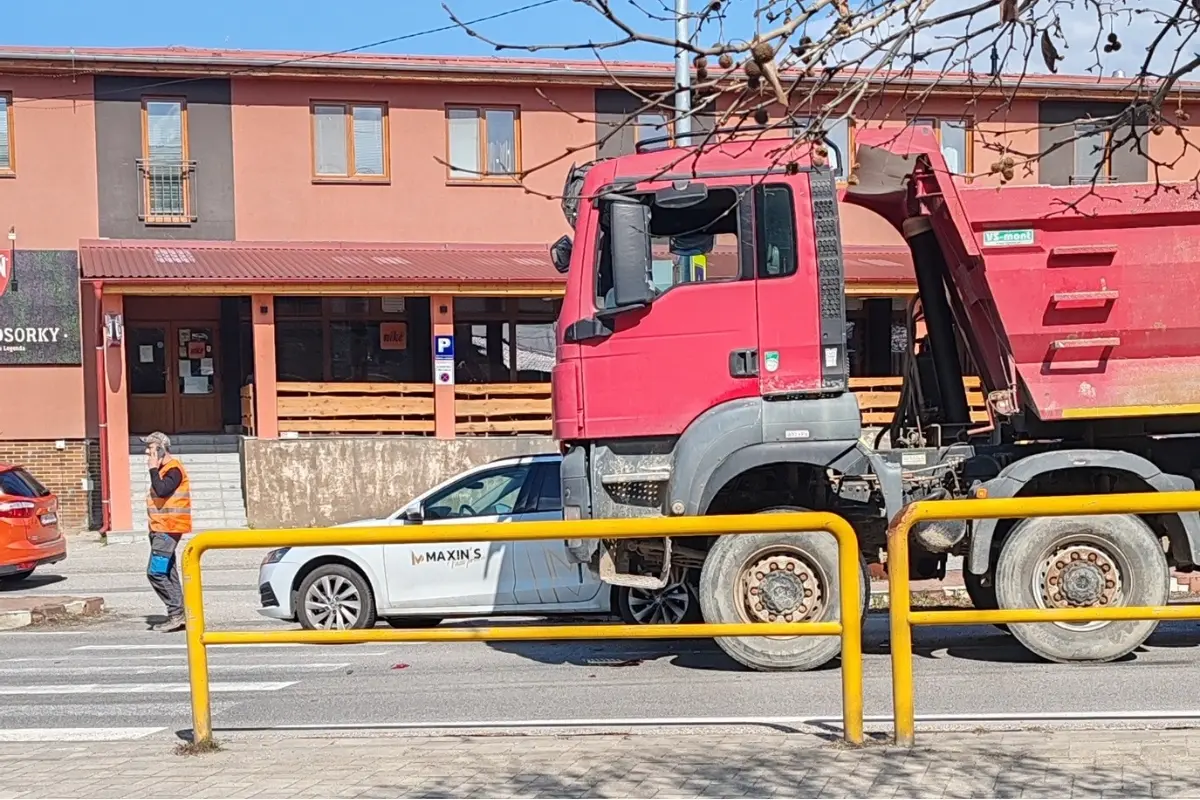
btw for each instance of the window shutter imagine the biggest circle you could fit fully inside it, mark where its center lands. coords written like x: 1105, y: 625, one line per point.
x: 368, y: 141
x: 5, y: 136
x: 463, y: 133
x: 502, y: 142
x: 329, y: 140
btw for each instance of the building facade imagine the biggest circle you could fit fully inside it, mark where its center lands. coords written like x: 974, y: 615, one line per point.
x: 255, y: 252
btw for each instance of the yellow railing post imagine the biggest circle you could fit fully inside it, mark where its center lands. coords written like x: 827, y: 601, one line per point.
x: 193, y: 605
x: 899, y: 600
x: 850, y: 579
x: 903, y: 618
x: 849, y: 627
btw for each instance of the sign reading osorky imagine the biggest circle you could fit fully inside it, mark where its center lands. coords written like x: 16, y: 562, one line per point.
x: 39, y: 308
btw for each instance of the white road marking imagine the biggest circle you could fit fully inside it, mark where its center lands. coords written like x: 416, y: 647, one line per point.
x: 141, y: 688
x: 76, y: 734
x: 92, y: 647
x: 149, y: 669
x: 180, y: 657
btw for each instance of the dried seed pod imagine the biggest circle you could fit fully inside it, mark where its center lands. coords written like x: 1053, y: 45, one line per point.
x: 701, y: 74
x: 1008, y: 175
x: 762, y: 52
x: 1182, y: 115
x: 726, y: 61
x: 754, y: 83
x: 761, y: 116
x: 700, y: 62
x: 752, y: 69
x: 1157, y: 129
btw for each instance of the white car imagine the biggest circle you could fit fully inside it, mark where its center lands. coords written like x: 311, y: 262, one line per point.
x: 421, y: 584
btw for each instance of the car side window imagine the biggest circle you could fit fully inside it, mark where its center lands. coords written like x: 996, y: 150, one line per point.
x: 480, y: 495
x: 549, y: 497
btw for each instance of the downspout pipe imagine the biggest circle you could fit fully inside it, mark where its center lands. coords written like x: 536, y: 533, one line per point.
x: 102, y: 409
x: 929, y: 264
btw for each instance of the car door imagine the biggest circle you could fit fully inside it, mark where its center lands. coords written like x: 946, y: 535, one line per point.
x: 468, y: 577
x: 545, y: 577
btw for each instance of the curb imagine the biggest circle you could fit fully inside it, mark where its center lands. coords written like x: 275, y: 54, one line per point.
x: 53, y: 610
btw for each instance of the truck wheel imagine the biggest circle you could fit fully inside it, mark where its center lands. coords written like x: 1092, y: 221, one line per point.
x: 776, y: 577
x: 1077, y: 562
x: 982, y: 597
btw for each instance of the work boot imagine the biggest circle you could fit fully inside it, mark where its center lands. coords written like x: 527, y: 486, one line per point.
x: 174, y: 623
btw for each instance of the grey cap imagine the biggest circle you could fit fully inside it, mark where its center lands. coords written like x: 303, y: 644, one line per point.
x: 159, y: 438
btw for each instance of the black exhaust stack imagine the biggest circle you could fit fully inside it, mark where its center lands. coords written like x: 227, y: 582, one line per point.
x: 930, y: 266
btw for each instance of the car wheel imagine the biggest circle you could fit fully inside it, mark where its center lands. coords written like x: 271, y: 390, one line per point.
x: 335, y: 597
x: 15, y: 577
x: 414, y: 622
x: 674, y: 604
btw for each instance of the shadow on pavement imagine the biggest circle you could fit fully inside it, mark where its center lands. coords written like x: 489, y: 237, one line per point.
x: 35, y: 581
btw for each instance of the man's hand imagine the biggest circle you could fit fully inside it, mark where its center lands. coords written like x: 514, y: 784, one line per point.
x: 152, y: 459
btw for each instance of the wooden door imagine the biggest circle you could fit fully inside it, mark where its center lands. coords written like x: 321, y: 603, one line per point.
x: 196, y: 385
x: 149, y: 374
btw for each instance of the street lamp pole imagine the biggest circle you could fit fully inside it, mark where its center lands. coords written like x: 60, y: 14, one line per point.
x: 683, y: 77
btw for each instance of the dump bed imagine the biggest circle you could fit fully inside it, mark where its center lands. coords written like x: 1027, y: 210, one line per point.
x: 1087, y: 301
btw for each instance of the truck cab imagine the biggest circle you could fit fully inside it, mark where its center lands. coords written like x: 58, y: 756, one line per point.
x: 702, y: 369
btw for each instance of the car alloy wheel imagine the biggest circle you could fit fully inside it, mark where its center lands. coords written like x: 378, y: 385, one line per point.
x: 673, y: 604
x: 333, y: 603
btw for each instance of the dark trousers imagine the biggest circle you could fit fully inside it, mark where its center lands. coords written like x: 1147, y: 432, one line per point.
x: 162, y: 572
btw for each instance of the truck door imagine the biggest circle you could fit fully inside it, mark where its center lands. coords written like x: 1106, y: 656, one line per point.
x: 794, y: 313
x: 652, y: 371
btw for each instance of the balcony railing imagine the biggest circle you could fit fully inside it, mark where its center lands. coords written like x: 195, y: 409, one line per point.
x: 168, y: 192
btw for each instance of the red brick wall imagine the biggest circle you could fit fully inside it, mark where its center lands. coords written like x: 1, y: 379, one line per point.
x: 62, y: 471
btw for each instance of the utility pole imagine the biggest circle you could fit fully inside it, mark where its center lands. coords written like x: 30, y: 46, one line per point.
x: 683, y: 78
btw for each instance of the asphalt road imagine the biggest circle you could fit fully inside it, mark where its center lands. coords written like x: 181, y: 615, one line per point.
x: 115, y: 675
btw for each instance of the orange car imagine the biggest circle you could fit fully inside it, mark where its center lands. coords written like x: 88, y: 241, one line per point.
x: 29, y: 536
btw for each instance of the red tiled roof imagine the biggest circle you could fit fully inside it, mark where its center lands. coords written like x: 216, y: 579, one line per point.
x: 220, y: 60
x: 183, y: 261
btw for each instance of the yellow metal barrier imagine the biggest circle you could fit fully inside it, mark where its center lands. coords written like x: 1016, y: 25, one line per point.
x: 903, y: 618
x: 848, y: 557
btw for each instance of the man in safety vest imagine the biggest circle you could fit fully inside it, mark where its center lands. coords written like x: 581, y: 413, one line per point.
x: 169, y: 506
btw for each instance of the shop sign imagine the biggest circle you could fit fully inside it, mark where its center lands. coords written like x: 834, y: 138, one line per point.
x: 39, y: 308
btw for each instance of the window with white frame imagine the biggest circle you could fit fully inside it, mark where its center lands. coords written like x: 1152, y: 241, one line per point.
x: 954, y: 136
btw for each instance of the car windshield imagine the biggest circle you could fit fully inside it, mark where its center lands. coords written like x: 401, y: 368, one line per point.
x: 482, y: 494
x: 19, y: 483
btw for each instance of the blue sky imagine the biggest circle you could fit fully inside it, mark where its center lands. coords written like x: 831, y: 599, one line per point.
x: 306, y: 24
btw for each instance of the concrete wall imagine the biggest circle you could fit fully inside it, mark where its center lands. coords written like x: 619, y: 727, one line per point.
x: 313, y: 482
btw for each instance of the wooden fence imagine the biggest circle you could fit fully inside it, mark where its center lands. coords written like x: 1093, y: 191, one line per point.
x: 878, y: 397
x: 496, y: 409
x: 401, y: 408
x: 490, y: 409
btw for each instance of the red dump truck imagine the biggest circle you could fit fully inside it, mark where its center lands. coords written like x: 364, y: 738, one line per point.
x: 702, y: 369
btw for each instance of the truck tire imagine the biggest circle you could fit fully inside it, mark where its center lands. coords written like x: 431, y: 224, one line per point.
x: 1070, y: 562
x: 982, y: 597
x: 807, y: 567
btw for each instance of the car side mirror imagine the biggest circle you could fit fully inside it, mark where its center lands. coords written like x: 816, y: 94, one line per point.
x: 632, y: 262
x: 415, y: 514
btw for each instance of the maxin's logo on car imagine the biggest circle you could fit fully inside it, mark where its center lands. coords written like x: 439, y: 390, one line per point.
x: 455, y: 558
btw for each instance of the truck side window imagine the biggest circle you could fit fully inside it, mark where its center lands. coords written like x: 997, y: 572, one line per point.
x: 775, y: 231
x: 704, y: 243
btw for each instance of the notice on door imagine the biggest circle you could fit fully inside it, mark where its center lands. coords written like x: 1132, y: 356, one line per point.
x: 146, y: 354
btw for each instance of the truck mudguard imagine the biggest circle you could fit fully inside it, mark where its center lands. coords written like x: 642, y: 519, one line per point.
x: 733, y: 437
x: 1013, y: 477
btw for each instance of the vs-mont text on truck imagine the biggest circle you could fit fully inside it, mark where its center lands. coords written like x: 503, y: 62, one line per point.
x: 702, y: 369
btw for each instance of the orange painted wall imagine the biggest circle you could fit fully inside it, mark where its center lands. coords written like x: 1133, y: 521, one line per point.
x: 52, y: 203
x: 275, y: 197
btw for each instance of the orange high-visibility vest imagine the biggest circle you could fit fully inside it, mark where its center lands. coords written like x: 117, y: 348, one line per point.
x: 172, y: 514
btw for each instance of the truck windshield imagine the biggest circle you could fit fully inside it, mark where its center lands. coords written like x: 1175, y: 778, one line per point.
x: 698, y: 243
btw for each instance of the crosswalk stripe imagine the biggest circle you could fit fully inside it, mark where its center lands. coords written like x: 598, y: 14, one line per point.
x: 76, y: 734
x: 148, y: 669
x: 184, y: 646
x: 141, y: 688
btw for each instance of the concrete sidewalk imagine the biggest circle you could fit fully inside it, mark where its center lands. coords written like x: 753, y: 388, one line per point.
x: 668, y: 763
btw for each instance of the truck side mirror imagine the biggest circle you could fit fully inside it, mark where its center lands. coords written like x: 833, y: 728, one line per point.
x: 560, y: 254
x: 629, y: 241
